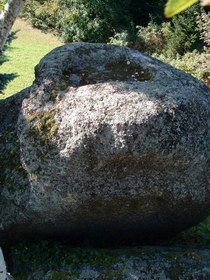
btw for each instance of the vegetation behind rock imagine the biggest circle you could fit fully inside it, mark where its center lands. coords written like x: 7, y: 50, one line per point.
x: 130, y: 23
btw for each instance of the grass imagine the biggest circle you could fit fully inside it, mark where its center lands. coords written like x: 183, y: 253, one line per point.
x: 24, y: 54
x: 197, y: 235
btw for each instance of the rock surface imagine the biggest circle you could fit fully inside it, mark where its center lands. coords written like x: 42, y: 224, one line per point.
x: 109, y: 145
x: 3, y: 269
x: 145, y: 263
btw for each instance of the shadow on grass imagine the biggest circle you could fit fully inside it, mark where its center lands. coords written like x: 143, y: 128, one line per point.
x: 5, y: 78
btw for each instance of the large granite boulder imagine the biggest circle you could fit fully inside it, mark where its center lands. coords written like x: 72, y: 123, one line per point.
x: 107, y: 144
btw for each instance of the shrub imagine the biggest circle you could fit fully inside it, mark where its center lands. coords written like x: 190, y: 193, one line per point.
x: 41, y: 14
x: 195, y: 63
x: 93, y: 21
x: 122, y: 39
x: 178, y: 36
x: 112, y: 21
x: 150, y: 39
x: 183, y: 33
x: 204, y: 25
x: 79, y: 20
x: 79, y: 24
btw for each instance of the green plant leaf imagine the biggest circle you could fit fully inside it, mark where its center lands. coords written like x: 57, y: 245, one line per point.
x: 173, y: 7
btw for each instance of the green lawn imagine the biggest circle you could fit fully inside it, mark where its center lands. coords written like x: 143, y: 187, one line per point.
x: 25, y: 52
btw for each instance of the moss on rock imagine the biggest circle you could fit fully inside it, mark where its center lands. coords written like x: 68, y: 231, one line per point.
x: 43, y: 127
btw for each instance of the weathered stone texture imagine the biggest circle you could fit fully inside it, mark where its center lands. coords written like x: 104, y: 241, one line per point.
x: 115, y: 146
x: 157, y: 263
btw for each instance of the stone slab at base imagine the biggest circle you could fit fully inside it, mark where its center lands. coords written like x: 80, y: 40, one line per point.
x: 143, y: 263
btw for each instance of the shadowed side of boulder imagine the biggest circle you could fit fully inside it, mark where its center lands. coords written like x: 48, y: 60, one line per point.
x: 14, y: 183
